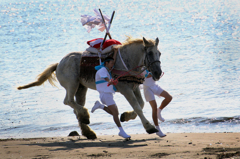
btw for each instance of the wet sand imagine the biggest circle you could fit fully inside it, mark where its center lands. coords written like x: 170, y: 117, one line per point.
x: 174, y: 145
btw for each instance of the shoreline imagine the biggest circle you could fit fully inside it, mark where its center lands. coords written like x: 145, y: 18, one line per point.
x: 174, y: 145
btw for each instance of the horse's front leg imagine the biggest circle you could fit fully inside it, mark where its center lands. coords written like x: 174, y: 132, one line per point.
x: 130, y: 96
x: 130, y: 115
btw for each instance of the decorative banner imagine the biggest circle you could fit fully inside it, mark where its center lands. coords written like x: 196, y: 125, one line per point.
x: 90, y: 22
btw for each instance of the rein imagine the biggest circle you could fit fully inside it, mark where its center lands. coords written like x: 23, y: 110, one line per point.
x: 130, y: 71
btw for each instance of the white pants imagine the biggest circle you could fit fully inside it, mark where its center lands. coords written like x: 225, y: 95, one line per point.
x: 149, y: 92
x: 107, y: 98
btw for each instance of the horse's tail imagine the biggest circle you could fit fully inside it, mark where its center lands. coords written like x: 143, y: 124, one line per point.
x: 47, y: 74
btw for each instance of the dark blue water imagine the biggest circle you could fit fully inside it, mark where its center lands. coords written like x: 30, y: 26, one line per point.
x: 199, y: 42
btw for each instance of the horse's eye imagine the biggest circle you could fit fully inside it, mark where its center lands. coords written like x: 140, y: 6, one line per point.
x: 150, y: 52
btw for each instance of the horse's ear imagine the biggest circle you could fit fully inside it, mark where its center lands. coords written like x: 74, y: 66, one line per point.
x: 145, y: 42
x: 156, y: 41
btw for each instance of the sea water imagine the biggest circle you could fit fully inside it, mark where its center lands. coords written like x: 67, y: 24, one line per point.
x: 199, y: 42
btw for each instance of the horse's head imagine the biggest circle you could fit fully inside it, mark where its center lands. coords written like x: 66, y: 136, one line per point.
x: 152, y: 58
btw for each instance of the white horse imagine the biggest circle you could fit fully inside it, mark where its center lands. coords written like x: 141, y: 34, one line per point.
x: 134, y: 52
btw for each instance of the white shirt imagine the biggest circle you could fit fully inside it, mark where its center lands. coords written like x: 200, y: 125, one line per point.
x: 101, y: 83
x: 148, y: 81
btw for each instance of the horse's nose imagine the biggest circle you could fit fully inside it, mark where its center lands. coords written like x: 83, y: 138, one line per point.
x: 157, y: 74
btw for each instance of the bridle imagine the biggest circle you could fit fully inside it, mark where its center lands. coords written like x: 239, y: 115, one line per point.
x: 147, y: 61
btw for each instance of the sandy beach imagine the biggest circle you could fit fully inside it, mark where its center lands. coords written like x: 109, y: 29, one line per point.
x: 174, y: 145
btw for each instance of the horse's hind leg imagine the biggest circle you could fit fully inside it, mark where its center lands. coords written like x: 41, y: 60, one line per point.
x: 81, y: 112
x: 81, y: 94
x: 80, y: 99
x: 130, y: 115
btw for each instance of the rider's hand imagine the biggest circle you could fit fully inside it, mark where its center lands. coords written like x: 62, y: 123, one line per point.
x: 109, y: 83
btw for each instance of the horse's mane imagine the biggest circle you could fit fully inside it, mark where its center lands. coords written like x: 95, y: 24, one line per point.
x: 130, y: 40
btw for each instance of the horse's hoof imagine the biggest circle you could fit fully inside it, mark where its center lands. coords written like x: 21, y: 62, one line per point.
x: 122, y: 118
x: 91, y: 136
x: 152, y: 130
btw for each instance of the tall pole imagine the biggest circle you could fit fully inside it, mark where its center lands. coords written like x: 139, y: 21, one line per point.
x: 107, y: 28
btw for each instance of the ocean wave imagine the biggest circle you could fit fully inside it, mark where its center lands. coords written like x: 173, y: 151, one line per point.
x: 206, y: 120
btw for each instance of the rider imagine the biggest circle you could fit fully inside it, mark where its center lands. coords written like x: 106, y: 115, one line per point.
x: 150, y: 89
x: 103, y: 78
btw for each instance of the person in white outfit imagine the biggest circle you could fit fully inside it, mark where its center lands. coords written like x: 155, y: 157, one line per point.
x: 102, y: 79
x: 150, y: 89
